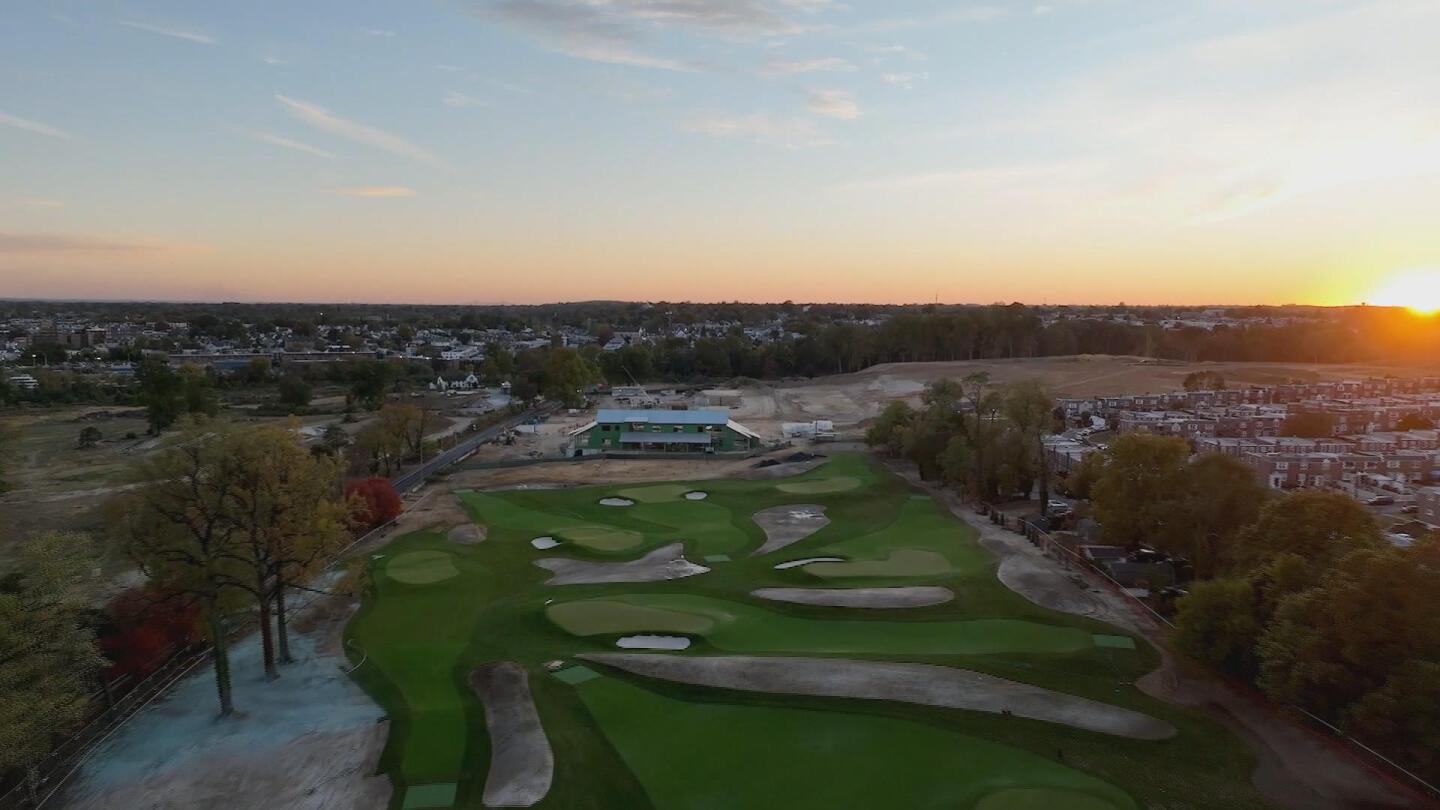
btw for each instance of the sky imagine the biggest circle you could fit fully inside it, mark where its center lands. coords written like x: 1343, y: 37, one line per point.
x: 526, y: 151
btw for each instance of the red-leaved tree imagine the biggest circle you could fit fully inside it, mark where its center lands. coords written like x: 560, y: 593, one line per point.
x: 143, y: 627
x: 379, y: 503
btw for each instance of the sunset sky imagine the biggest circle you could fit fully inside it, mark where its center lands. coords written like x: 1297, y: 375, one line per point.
x: 1060, y: 151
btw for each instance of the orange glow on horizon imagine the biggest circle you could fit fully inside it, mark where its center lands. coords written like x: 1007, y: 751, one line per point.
x: 1416, y: 290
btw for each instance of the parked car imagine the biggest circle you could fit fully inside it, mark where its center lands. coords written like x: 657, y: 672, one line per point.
x: 1410, y: 508
x: 1058, y: 508
x: 1381, y: 500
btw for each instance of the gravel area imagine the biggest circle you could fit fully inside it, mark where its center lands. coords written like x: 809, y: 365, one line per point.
x: 666, y: 562
x: 902, y: 597
x: 923, y: 684
x: 521, y: 762
x: 788, y: 524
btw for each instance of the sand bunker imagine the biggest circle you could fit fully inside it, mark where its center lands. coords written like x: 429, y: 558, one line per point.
x: 785, y: 566
x: 543, y: 543
x: 902, y: 597
x: 922, y: 684
x: 696, y: 495
x: 666, y: 562
x: 788, y: 524
x: 653, y: 642
x: 421, y: 567
x: 616, y: 502
x: 468, y: 534
x: 521, y: 763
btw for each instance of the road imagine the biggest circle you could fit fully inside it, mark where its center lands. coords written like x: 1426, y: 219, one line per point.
x: 412, y: 479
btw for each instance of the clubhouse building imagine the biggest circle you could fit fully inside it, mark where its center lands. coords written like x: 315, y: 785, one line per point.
x: 661, y: 431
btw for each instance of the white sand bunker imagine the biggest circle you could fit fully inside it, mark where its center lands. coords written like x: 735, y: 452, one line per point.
x: 616, y: 502
x: 797, y: 563
x: 696, y: 495
x: 544, y: 542
x: 666, y: 562
x: 521, y: 763
x: 652, y: 642
x: 468, y: 534
x: 902, y: 597
x: 922, y: 684
x: 788, y: 524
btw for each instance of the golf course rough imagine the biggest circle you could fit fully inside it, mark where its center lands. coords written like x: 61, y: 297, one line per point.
x: 436, y: 610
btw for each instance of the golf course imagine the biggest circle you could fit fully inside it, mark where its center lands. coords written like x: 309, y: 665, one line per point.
x: 831, y: 639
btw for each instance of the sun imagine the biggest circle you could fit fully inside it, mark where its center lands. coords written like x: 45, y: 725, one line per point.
x: 1416, y: 290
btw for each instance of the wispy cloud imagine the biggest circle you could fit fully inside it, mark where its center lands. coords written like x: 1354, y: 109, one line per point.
x: 617, y: 31
x: 903, y: 79
x: 326, y: 121
x: 68, y: 243
x: 290, y: 143
x: 166, y: 31
x: 16, y: 122
x: 377, y: 191
x: 760, y: 128
x: 828, y: 64
x: 968, y: 13
x: 834, y: 103
x: 455, y: 98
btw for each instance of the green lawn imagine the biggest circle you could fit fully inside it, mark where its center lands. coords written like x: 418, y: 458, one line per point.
x: 435, y: 609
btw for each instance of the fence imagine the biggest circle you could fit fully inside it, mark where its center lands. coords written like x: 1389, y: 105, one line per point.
x: 1376, y: 761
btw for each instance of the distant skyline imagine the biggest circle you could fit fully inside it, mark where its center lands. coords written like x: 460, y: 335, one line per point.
x: 532, y: 151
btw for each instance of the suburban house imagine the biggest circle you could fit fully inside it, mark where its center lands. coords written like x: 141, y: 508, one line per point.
x: 661, y: 431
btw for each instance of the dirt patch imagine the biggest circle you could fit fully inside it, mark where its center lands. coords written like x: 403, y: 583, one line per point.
x: 666, y: 562
x: 788, y: 524
x: 521, y: 762
x: 902, y: 597
x: 468, y: 534
x: 922, y: 684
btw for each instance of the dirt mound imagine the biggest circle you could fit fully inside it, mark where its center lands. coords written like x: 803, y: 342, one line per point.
x: 521, y: 762
x: 922, y: 684
x: 788, y: 524
x: 901, y: 597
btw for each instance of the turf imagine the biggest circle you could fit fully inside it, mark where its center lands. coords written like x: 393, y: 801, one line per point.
x: 736, y: 627
x: 677, y: 745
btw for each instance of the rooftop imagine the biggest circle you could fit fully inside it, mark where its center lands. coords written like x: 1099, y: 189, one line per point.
x: 713, y: 416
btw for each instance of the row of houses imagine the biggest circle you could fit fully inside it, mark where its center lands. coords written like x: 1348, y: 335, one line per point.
x: 1367, y: 389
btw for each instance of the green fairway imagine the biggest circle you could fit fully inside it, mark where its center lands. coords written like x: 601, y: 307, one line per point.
x: 736, y: 627
x: 780, y: 757
x: 435, y: 609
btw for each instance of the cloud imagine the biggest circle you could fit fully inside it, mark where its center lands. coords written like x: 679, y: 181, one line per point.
x: 326, y: 121
x: 288, y: 143
x: 983, y: 177
x: 760, y: 128
x: 834, y: 103
x: 68, y: 243
x: 457, y: 99
x: 616, y: 31
x: 904, y: 80
x: 38, y: 128
x: 828, y: 64
x: 377, y: 191
x: 174, y: 33
x: 964, y: 14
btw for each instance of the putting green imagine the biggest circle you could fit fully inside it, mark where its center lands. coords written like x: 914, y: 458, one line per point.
x: 830, y: 758
x: 601, y: 538
x: 1042, y: 799
x: 421, y: 567
x: 658, y: 493
x: 905, y: 562
x: 739, y: 627
x: 820, y: 486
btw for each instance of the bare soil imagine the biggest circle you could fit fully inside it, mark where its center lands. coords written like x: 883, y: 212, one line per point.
x: 664, y: 563
x: 922, y: 684
x: 467, y: 534
x: 906, y: 596
x: 521, y: 762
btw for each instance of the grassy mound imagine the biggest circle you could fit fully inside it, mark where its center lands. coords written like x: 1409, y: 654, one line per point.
x: 421, y: 567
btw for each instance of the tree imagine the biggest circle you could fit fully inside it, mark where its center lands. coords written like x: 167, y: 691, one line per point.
x: 378, y: 503
x: 198, y: 391
x: 1403, y: 715
x: 1221, y: 496
x: 1030, y: 410
x: 1216, y: 624
x: 178, y: 529
x: 1313, y: 529
x: 370, y: 379
x: 334, y: 440
x: 294, y: 391
x: 1080, y: 483
x: 89, y: 437
x: 161, y: 392
x: 1204, y: 381
x: 48, y: 655
x: 1308, y: 424
x: 1144, y: 477
x: 8, y: 436
x: 888, y: 430
x: 564, y: 374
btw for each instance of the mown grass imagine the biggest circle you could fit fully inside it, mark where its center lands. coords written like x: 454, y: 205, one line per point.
x: 422, y: 641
